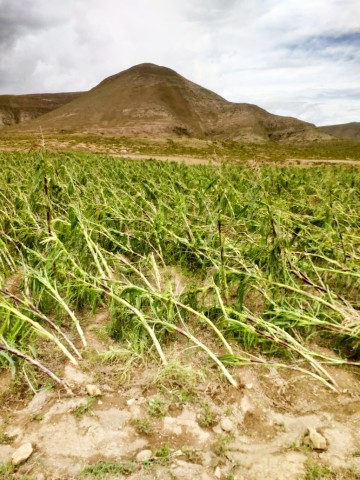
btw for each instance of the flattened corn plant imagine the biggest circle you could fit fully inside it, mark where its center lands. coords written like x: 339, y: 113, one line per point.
x: 271, y: 255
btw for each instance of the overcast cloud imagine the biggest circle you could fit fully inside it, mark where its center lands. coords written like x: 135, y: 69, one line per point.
x: 293, y: 57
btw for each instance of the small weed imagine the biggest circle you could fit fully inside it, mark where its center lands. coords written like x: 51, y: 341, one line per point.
x: 142, y: 426
x: 207, y: 418
x: 221, y: 444
x: 37, y: 417
x: 294, y: 446
x: 162, y: 455
x: 157, y: 408
x: 315, y: 471
x: 4, y: 438
x: 179, y: 380
x: 104, y: 468
x: 184, y: 396
x: 84, y: 408
x: 5, y: 470
x: 281, y: 426
x: 191, y: 454
x: 299, y: 446
x: 228, y: 411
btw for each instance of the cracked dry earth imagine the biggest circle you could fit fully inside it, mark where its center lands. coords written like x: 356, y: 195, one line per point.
x: 149, y: 429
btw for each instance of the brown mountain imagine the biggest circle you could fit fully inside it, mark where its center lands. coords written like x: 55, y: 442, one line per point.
x: 156, y: 101
x: 349, y: 131
x: 16, y: 109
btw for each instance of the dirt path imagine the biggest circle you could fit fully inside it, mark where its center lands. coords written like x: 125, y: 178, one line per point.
x: 312, y: 161
x: 204, y: 161
x: 168, y: 158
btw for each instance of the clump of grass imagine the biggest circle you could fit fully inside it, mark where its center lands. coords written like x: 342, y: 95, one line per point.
x: 206, y: 418
x: 108, y: 468
x: 191, y: 454
x: 142, y: 426
x: 85, y: 408
x: 162, y: 455
x: 179, y: 381
x: 220, y: 446
x: 316, y: 471
x: 6, y: 469
x: 157, y: 408
x: 37, y: 417
x: 4, y: 438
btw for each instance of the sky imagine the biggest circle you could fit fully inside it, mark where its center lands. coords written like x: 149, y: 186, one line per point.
x: 298, y: 58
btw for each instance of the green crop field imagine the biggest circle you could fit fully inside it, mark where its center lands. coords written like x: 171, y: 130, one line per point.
x: 251, y: 265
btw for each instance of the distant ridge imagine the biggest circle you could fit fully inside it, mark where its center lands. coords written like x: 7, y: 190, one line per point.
x: 348, y: 131
x: 15, y: 109
x: 155, y: 101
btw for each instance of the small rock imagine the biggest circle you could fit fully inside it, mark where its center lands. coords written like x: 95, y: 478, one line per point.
x: 315, y: 440
x: 74, y: 376
x: 38, y: 402
x: 12, y: 432
x: 107, y: 388
x: 93, y: 390
x: 217, y: 429
x: 189, y: 471
x: 246, y: 404
x: 217, y: 472
x: 143, y: 455
x: 226, y: 424
x: 207, y: 459
x: 5, y: 453
x: 100, y: 402
x: 22, y: 454
x: 130, y: 402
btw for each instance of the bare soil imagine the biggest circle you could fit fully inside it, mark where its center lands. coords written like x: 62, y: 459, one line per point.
x: 294, y: 162
x: 192, y: 422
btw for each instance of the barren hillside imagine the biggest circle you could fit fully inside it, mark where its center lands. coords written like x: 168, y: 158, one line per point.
x: 156, y: 101
x: 349, y: 131
x: 15, y: 109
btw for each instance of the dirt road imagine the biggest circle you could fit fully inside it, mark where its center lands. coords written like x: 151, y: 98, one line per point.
x: 205, y: 161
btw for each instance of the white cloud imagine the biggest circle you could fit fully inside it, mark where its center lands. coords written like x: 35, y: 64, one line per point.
x: 280, y: 54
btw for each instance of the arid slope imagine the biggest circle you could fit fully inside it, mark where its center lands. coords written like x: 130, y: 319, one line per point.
x: 15, y: 109
x: 148, y: 100
x: 349, y: 131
